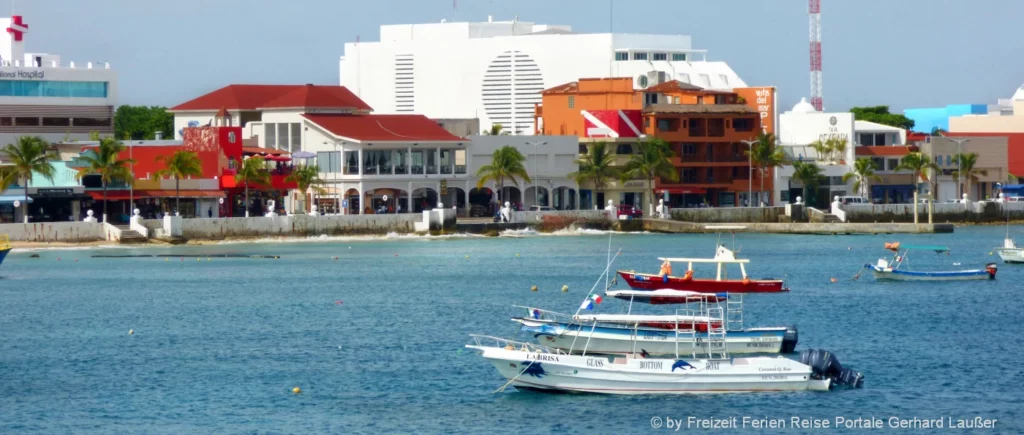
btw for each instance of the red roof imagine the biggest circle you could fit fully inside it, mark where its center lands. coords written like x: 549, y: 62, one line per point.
x: 252, y: 97
x: 397, y: 128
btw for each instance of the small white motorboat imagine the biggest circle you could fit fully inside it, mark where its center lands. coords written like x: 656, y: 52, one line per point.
x: 898, y: 269
x: 533, y: 367
x: 1010, y: 253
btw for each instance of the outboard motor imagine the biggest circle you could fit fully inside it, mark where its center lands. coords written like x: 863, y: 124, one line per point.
x: 825, y: 365
x: 789, y: 340
x: 991, y: 269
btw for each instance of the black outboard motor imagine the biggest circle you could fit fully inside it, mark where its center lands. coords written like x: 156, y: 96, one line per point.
x: 825, y: 365
x: 789, y: 340
x: 991, y: 268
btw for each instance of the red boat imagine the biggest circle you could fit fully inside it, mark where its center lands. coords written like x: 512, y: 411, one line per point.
x: 720, y: 284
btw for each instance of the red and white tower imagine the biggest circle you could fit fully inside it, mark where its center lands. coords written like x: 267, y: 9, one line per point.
x: 814, y: 9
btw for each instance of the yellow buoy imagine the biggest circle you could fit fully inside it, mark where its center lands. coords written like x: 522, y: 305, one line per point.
x: 131, y: 332
x: 467, y: 257
x: 165, y: 259
x: 199, y: 259
x: 533, y: 288
x: 517, y: 254
x: 296, y: 390
x: 565, y: 288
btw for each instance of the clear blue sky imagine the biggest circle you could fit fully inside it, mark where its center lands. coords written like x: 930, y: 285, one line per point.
x: 904, y: 53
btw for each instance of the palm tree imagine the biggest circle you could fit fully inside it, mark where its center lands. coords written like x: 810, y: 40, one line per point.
x: 965, y: 163
x: 181, y: 164
x: 253, y: 171
x: 837, y: 148
x: 764, y: 155
x: 496, y: 130
x: 917, y: 163
x: 864, y: 171
x: 105, y: 161
x: 808, y: 174
x: 596, y: 166
x: 821, y: 149
x: 652, y: 161
x: 30, y: 155
x: 8, y: 177
x: 306, y: 177
x: 506, y: 164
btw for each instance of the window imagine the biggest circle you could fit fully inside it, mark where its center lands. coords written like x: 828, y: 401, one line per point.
x: 689, y: 175
x: 893, y: 163
x: 329, y: 161
x: 56, y: 122
x: 639, y: 56
x: 660, y: 56
x: 282, y: 136
x: 949, y: 159
x: 878, y: 163
x: 880, y: 139
x: 679, y: 57
x: 689, y: 150
x: 270, y: 131
x: 624, y: 149
x: 720, y: 99
x: 867, y: 139
x: 572, y: 101
x: 621, y: 56
x: 296, y: 137
x: 460, y: 161
x: 700, y: 100
x: 401, y: 162
x: 743, y: 124
x: 26, y: 122
x: 6, y: 121
x: 351, y: 162
x: 666, y: 125
x: 716, y: 127
x: 91, y: 122
x: 676, y: 100
x: 446, y: 162
x: 417, y: 161
x: 51, y: 88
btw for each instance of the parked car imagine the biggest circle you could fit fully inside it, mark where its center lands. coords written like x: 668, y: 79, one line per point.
x: 1014, y: 199
x: 853, y: 200
x: 541, y: 208
x: 629, y: 212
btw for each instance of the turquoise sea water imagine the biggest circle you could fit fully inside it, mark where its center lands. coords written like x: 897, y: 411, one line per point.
x: 374, y: 339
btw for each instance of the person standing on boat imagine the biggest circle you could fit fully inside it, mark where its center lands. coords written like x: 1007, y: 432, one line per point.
x: 666, y: 270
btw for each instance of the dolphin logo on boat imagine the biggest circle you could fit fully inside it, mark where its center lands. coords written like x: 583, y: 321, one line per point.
x: 533, y: 368
x: 681, y: 365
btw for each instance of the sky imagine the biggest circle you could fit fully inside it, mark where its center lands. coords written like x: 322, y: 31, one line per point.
x: 901, y: 53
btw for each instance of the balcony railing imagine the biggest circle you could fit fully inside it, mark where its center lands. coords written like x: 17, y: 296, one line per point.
x: 460, y: 169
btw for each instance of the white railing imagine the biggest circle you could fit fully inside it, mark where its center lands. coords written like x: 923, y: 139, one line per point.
x: 837, y: 210
x: 113, y: 233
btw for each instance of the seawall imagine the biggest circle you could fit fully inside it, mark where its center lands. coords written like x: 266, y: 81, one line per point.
x: 669, y: 226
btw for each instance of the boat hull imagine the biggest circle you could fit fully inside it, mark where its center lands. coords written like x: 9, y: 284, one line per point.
x: 904, y: 275
x: 1011, y: 255
x: 655, y: 342
x: 644, y: 281
x: 627, y: 375
x: 3, y: 254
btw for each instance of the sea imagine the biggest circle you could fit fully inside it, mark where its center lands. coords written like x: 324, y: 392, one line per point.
x: 372, y: 331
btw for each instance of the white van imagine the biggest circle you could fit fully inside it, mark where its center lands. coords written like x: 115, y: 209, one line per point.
x: 853, y: 200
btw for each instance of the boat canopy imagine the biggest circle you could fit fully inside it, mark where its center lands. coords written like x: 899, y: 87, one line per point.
x: 936, y: 248
x: 633, y: 318
x: 704, y: 260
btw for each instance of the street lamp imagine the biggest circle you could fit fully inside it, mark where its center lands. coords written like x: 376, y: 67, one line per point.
x: 535, y: 146
x: 959, y: 175
x: 750, y: 169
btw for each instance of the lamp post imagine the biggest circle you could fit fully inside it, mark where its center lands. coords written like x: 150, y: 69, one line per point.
x: 750, y: 169
x: 959, y: 176
x: 535, y: 145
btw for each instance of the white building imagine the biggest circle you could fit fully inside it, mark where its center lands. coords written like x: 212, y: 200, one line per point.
x: 495, y: 70
x: 802, y: 126
x: 371, y: 162
x: 41, y: 96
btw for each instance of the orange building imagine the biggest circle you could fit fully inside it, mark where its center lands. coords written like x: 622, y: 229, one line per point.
x: 705, y: 129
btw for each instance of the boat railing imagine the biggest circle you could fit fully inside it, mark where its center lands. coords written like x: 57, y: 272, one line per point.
x: 492, y: 341
x: 539, y: 314
x: 734, y: 312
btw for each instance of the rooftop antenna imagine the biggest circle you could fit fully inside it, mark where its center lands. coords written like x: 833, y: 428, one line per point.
x: 814, y: 10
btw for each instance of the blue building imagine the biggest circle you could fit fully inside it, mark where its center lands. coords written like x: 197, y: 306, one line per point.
x: 926, y: 120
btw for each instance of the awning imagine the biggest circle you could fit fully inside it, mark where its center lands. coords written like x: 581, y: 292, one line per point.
x: 683, y: 190
x: 124, y: 195
x: 11, y: 198
x: 267, y: 151
x: 278, y: 158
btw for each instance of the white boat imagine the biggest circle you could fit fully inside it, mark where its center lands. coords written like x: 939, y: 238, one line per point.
x: 533, y: 367
x: 1010, y: 253
x: 658, y: 335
